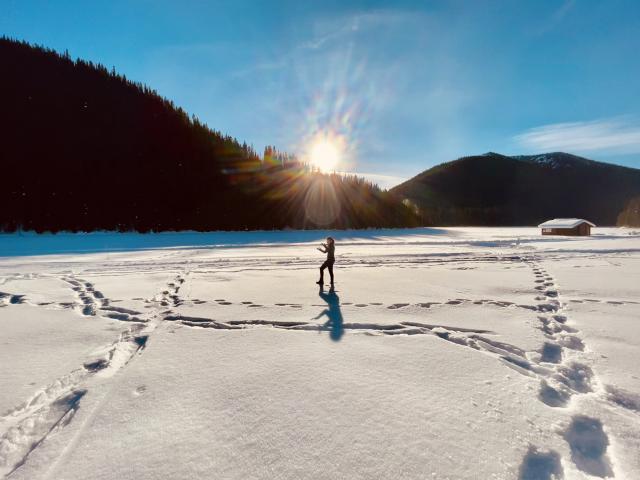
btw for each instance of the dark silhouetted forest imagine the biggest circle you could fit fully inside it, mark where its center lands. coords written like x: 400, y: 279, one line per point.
x: 84, y: 148
x: 494, y: 189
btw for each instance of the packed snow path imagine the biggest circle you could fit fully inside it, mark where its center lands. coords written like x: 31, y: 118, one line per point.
x: 460, y: 354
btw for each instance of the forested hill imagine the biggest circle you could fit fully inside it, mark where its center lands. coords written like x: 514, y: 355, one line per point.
x: 494, y: 189
x: 83, y: 148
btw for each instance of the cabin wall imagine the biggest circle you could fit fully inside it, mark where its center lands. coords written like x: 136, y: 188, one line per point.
x: 584, y: 229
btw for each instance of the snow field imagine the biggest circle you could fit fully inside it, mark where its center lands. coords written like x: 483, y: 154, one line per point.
x: 470, y: 353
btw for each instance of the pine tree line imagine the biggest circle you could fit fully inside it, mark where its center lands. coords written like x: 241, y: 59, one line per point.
x: 85, y: 148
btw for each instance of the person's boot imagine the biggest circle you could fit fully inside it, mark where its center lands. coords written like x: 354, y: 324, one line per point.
x: 320, y: 282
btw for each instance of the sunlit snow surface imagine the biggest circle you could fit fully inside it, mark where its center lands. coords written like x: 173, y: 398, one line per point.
x: 456, y: 353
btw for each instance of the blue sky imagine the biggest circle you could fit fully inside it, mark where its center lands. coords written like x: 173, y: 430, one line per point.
x: 406, y: 85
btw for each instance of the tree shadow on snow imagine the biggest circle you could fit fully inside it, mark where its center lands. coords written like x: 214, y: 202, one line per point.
x: 334, y: 321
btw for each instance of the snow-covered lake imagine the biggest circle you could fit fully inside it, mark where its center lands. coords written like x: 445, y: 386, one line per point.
x: 453, y: 353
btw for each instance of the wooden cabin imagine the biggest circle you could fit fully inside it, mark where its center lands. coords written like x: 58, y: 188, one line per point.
x: 576, y: 227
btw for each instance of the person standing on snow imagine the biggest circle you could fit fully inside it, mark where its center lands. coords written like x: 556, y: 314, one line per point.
x: 329, y: 248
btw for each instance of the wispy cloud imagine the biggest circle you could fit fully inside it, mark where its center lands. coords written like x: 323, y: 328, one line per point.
x: 347, y: 27
x: 561, y: 12
x: 619, y: 135
x: 341, y: 27
x: 555, y: 18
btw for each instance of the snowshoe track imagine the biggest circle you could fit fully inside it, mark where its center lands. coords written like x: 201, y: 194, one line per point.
x: 24, y: 428
x: 563, y: 377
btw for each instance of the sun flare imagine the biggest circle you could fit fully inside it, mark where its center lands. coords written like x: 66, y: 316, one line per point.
x: 325, y: 155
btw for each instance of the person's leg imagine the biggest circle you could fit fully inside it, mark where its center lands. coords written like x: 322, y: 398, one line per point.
x: 322, y: 267
x: 331, y: 271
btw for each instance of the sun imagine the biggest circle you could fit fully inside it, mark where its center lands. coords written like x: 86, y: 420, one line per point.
x: 325, y: 154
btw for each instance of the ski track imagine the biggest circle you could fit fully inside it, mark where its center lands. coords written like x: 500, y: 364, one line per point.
x: 563, y: 376
x: 24, y: 428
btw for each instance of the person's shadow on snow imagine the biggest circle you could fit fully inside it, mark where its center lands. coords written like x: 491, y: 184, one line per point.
x: 334, y: 316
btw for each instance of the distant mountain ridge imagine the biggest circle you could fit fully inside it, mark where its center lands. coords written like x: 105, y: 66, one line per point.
x: 495, y: 189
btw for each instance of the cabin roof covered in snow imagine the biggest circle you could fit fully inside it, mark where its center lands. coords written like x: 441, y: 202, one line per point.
x: 564, y: 223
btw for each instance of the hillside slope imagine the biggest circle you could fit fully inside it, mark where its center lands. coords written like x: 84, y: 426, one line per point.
x: 84, y: 149
x: 494, y: 189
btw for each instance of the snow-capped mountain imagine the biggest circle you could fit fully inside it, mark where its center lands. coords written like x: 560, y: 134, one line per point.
x: 557, y: 160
